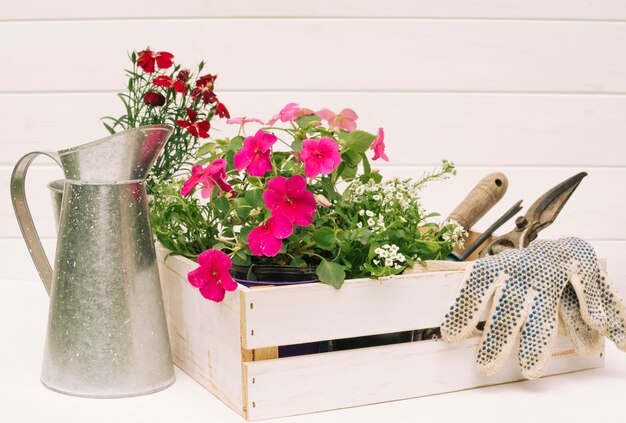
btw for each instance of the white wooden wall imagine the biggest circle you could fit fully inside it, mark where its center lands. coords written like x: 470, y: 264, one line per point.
x: 533, y: 88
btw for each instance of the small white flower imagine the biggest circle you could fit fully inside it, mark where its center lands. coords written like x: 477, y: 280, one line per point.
x: 369, y: 213
x: 377, y: 197
x: 383, y: 253
x: 388, y: 262
x: 397, y: 266
x: 359, y: 225
x: 376, y: 262
x: 370, y: 222
x: 361, y: 212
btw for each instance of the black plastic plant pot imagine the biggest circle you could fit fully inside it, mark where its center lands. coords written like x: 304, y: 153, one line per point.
x: 371, y: 341
x: 273, y: 275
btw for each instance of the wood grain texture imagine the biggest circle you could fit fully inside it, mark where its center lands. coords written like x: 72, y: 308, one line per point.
x: 341, y: 379
x: 430, y: 55
x: 204, y: 335
x: 471, y: 129
x: 162, y: 9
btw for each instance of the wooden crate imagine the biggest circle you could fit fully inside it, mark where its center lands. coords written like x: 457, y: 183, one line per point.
x: 231, y: 348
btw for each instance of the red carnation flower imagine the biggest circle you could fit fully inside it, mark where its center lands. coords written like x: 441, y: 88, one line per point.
x: 197, y: 129
x: 154, y: 98
x: 167, y: 82
x: 183, y: 75
x: 147, y: 59
x: 204, y: 89
x: 222, y: 111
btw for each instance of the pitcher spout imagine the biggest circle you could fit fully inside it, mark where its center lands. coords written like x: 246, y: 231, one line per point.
x: 120, y: 158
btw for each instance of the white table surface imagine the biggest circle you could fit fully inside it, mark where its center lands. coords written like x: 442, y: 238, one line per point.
x: 593, y: 396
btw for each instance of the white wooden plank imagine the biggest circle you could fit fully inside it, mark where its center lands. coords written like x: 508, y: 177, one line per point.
x: 594, y: 212
x: 204, y: 336
x: 299, y: 385
x: 361, y: 54
x: 354, y: 310
x: 473, y: 129
x: 529, y: 9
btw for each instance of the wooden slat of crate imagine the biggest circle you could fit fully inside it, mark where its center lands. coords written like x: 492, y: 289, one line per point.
x: 361, y: 307
x: 305, y: 384
x: 204, y: 336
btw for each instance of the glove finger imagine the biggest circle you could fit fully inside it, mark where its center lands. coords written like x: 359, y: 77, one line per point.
x: 538, y: 333
x: 585, y: 274
x: 587, y: 341
x: 614, y: 310
x: 509, y: 309
x: 472, y: 298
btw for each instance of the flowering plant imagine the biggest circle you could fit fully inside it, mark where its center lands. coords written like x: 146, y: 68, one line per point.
x: 275, y: 196
x: 162, y: 92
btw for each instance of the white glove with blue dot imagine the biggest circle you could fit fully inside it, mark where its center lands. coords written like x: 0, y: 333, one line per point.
x: 534, y: 290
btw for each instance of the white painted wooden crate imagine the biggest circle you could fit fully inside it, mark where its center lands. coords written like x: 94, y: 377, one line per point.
x: 231, y: 348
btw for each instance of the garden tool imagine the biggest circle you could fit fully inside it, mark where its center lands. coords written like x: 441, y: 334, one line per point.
x: 107, y: 335
x: 487, y: 192
x: 529, y: 288
x: 454, y: 256
x: 539, y: 216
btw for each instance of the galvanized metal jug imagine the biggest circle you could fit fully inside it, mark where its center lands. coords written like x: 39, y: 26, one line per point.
x: 107, y: 335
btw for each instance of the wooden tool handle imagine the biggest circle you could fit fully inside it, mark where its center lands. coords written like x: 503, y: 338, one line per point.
x: 480, y: 200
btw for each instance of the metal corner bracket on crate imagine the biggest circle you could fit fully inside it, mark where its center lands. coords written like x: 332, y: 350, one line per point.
x: 231, y: 348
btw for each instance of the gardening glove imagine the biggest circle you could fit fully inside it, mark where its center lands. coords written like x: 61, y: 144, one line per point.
x: 531, y: 288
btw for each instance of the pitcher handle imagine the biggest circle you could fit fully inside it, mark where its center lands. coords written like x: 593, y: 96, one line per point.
x: 24, y: 218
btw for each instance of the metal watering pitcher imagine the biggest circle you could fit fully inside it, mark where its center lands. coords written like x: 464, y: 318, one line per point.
x: 107, y: 335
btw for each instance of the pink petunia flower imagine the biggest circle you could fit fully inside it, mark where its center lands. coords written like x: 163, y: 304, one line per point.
x: 267, y: 239
x: 346, y: 119
x: 290, y: 198
x: 213, y: 276
x: 212, y: 175
x: 289, y: 113
x: 378, y: 145
x: 255, y: 154
x: 320, y: 157
x: 243, y: 121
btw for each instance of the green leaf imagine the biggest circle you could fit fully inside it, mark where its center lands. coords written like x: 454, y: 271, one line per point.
x: 242, y: 207
x: 351, y: 158
x: 254, y: 197
x: 297, y: 262
x: 305, y: 121
x: 330, y: 273
x: 243, y: 234
x: 325, y: 238
x: 222, y: 204
x: 297, y: 146
x: 241, y: 259
x: 236, y: 143
x: 359, y: 141
x: 366, y: 164
x: 230, y: 157
x: 205, y: 149
x: 218, y: 246
x: 108, y: 127
x: 349, y: 173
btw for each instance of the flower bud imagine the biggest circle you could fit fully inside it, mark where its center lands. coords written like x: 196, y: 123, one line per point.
x: 154, y: 98
x: 322, y: 201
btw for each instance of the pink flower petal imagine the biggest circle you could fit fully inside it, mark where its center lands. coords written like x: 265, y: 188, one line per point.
x: 213, y: 291
x: 326, y: 114
x: 242, y: 159
x: 349, y: 114
x: 262, y: 242
x: 279, y: 226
